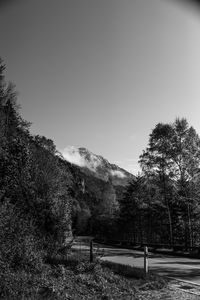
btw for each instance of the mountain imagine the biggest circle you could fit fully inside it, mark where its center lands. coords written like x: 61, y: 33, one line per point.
x: 97, y: 186
x: 97, y: 166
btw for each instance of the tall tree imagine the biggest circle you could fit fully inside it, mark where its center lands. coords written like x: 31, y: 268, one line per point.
x: 185, y: 154
x: 173, y: 156
x: 155, y: 161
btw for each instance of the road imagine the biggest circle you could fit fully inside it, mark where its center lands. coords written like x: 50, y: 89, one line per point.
x: 187, y: 269
x: 181, y: 268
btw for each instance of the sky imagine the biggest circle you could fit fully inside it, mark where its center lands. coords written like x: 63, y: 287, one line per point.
x: 101, y: 74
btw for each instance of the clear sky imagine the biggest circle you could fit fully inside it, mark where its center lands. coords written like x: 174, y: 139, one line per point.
x: 101, y: 74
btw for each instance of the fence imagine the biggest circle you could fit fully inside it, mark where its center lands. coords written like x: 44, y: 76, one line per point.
x: 84, y: 247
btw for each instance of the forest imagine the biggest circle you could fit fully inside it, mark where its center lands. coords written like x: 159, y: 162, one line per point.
x: 35, y: 206
x: 43, y: 202
x: 162, y: 205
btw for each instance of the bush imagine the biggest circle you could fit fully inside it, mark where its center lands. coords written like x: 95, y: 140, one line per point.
x: 124, y: 270
x: 20, y: 246
x: 21, y: 256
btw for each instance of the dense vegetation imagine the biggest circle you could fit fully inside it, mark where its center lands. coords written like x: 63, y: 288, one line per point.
x: 162, y: 205
x: 94, y: 203
x: 42, y: 199
x: 35, y: 205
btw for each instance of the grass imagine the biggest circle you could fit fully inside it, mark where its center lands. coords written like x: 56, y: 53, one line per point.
x: 74, y: 278
x: 124, y: 270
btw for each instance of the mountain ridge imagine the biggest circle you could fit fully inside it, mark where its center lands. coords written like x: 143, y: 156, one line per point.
x: 97, y: 165
x: 96, y: 189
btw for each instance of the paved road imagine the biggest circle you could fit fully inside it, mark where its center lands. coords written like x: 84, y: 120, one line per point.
x: 187, y: 269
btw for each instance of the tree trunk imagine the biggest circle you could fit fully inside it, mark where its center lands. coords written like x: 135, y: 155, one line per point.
x: 170, y: 224
x: 168, y: 212
x: 189, y: 225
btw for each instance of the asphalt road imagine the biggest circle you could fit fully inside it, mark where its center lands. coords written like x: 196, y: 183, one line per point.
x: 187, y: 269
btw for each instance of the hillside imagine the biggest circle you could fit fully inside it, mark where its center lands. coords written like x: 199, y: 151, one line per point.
x: 97, y: 166
x: 97, y: 186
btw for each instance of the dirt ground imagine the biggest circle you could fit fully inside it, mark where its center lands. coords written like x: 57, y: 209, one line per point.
x: 176, y: 290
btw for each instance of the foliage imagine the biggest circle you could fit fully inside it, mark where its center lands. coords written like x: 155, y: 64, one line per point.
x: 94, y: 203
x: 35, y: 205
x: 163, y: 205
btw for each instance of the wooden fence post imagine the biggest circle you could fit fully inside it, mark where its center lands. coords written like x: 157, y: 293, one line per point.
x: 145, y: 260
x: 91, y: 251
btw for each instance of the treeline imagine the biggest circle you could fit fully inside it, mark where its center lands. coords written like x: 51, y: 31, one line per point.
x: 35, y: 205
x: 94, y: 203
x: 163, y: 204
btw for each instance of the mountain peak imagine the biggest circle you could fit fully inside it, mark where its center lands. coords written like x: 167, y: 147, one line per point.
x: 99, y: 166
x: 83, y: 149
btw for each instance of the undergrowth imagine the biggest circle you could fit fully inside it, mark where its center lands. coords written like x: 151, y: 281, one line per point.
x: 75, y: 278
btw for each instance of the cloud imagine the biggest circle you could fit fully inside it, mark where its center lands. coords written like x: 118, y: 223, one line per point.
x: 83, y: 158
x: 94, y: 162
x: 117, y: 173
x: 72, y: 155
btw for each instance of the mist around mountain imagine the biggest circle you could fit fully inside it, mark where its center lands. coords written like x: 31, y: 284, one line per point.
x: 97, y: 188
x: 97, y: 166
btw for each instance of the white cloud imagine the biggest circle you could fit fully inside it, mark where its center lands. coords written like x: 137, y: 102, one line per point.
x: 72, y: 155
x: 94, y: 161
x: 118, y: 173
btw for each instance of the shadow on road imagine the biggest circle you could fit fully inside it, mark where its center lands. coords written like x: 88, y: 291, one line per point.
x: 176, y: 267
x: 190, y: 263
x: 185, y: 274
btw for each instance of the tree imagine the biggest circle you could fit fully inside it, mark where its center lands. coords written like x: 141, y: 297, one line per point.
x: 155, y: 162
x: 173, y: 157
x: 50, y: 182
x: 35, y: 206
x: 185, y: 154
